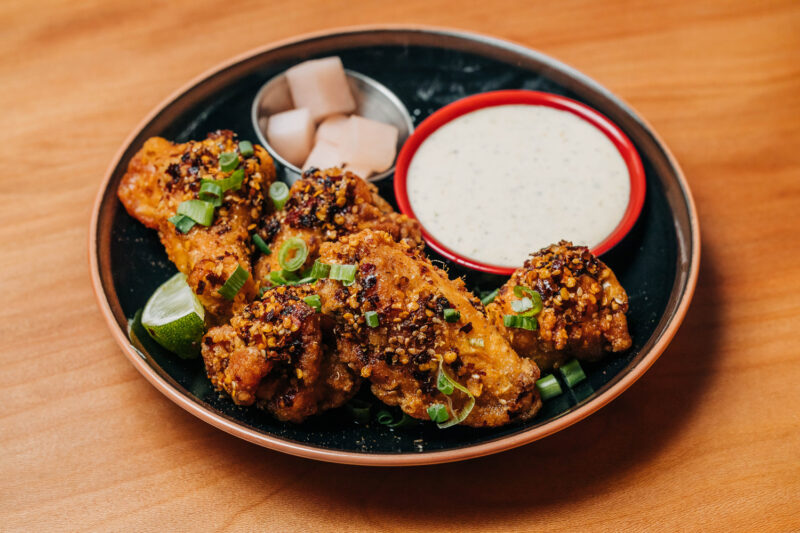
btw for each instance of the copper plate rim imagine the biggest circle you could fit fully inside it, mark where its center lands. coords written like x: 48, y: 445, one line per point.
x: 383, y: 459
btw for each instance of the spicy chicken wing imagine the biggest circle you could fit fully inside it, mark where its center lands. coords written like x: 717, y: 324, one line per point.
x: 272, y: 354
x: 403, y: 318
x: 162, y: 175
x: 583, y: 312
x: 325, y: 205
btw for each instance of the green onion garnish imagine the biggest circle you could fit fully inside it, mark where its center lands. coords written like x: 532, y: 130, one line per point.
x: 182, y: 223
x: 548, y: 387
x: 521, y: 322
x: 385, y: 418
x: 438, y: 413
x: 232, y: 182
x: 261, y: 245
x: 445, y: 383
x: 372, y: 319
x: 520, y: 306
x: 313, y: 301
x: 489, y: 298
x: 211, y: 192
x: 279, y: 192
x: 228, y: 161
x: 198, y: 210
x: 284, y: 277
x: 246, y: 148
x: 293, y: 254
x: 261, y: 291
x: 234, y: 283
x: 535, y: 300
x: 276, y: 277
x: 476, y: 342
x: 344, y: 273
x: 451, y: 315
x: 320, y: 270
x: 572, y: 373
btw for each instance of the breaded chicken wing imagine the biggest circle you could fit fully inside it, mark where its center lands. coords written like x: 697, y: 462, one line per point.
x: 584, y: 307
x: 402, y: 354
x: 272, y: 354
x: 325, y: 205
x: 162, y: 175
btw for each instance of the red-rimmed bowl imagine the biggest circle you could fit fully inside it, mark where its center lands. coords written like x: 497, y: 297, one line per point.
x: 521, y: 97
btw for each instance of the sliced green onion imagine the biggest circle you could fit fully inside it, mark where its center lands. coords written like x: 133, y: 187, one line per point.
x: 232, y: 182
x: 262, y: 290
x: 438, y: 413
x: 489, y: 298
x: 228, y: 161
x: 246, y: 148
x: 460, y: 417
x: 198, y: 210
x: 572, y: 373
x: 535, y: 297
x: 476, y: 342
x: 372, y: 319
x: 548, y: 387
x: 289, y: 276
x: 359, y: 410
x: 293, y: 254
x: 344, y: 273
x: 444, y: 383
x: 182, y: 223
x: 279, y: 192
x: 385, y: 418
x: 234, y: 283
x: 261, y: 245
x: 521, y: 322
x: 320, y: 270
x: 313, y: 301
x: 520, y: 306
x: 303, y: 281
x: 211, y: 192
x: 276, y: 278
x: 451, y: 315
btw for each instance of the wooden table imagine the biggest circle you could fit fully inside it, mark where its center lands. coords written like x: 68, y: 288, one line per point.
x: 709, y: 439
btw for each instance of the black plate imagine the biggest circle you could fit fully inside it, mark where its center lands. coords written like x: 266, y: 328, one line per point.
x: 427, y: 70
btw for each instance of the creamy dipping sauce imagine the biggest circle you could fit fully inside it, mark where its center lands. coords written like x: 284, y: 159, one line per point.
x: 499, y: 183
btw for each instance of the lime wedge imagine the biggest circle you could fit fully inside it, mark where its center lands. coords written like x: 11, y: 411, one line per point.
x: 174, y: 317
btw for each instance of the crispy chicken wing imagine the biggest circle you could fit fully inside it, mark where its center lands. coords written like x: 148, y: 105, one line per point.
x: 272, y: 354
x: 402, y: 354
x: 584, y: 307
x: 163, y: 174
x: 325, y: 205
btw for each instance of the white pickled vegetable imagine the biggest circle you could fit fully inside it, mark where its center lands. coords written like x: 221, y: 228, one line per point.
x: 320, y: 85
x: 291, y: 134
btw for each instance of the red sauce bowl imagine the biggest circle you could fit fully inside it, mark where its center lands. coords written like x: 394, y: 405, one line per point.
x: 517, y: 97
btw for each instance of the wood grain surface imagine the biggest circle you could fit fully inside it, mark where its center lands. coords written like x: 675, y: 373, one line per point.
x: 708, y: 440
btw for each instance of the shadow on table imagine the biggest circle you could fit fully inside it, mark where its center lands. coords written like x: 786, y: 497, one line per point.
x: 567, y: 467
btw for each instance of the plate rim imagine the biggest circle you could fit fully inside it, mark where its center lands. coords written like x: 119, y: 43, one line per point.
x: 410, y: 458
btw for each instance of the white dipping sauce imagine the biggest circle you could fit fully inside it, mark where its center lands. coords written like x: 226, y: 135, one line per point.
x: 499, y: 183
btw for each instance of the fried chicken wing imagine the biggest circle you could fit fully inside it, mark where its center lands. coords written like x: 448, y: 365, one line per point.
x: 272, y: 354
x: 401, y: 356
x: 584, y: 307
x: 325, y: 205
x: 162, y: 175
